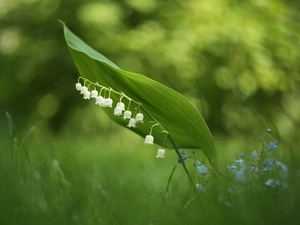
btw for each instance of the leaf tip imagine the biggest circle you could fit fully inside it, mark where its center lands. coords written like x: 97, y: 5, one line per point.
x: 62, y: 22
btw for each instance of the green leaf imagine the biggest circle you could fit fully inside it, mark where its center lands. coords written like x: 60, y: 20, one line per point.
x: 173, y: 111
x: 11, y: 124
x: 17, y: 137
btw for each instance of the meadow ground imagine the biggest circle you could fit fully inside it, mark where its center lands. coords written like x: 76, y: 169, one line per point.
x: 114, y: 179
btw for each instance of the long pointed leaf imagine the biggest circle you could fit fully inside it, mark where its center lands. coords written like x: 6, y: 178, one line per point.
x: 173, y: 111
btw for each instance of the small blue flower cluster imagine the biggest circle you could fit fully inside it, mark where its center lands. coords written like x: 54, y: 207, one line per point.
x: 203, y: 171
x: 258, y: 171
x: 261, y: 167
x: 201, y: 168
x: 253, y: 169
x: 239, y: 170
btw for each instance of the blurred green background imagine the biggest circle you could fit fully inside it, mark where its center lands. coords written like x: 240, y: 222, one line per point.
x: 236, y: 61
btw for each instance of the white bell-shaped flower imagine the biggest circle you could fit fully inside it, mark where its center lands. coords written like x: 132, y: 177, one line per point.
x: 127, y: 115
x: 86, y: 95
x: 78, y: 86
x: 83, y: 89
x: 118, y: 111
x: 149, y: 140
x: 132, y: 122
x: 100, y: 101
x: 94, y: 94
x: 108, y: 102
x: 139, y: 118
x: 121, y: 105
x: 160, y: 153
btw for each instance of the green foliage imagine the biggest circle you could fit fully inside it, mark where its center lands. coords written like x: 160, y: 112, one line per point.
x: 174, y: 112
x: 242, y: 55
x: 111, y: 185
x: 20, y: 161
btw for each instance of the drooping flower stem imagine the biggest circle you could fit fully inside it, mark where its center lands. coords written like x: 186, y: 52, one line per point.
x: 184, y: 166
x: 177, y: 152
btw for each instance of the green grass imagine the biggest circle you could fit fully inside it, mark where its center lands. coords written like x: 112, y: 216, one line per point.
x: 114, y: 179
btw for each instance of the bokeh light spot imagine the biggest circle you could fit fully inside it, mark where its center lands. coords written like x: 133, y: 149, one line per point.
x: 48, y: 105
x: 9, y: 40
x: 100, y: 14
x: 224, y: 78
x: 142, y: 6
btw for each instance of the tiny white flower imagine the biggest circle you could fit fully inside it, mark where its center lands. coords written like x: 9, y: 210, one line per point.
x: 149, y: 140
x: 108, y: 102
x: 83, y: 89
x: 200, y: 187
x: 118, y: 111
x: 86, y: 95
x: 127, y: 114
x: 100, y: 101
x: 160, y: 153
x: 139, y: 118
x: 78, y: 86
x: 132, y: 122
x: 94, y: 94
x: 121, y: 105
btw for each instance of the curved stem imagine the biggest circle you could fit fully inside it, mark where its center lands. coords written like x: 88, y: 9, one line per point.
x: 184, y: 166
x: 177, y: 152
